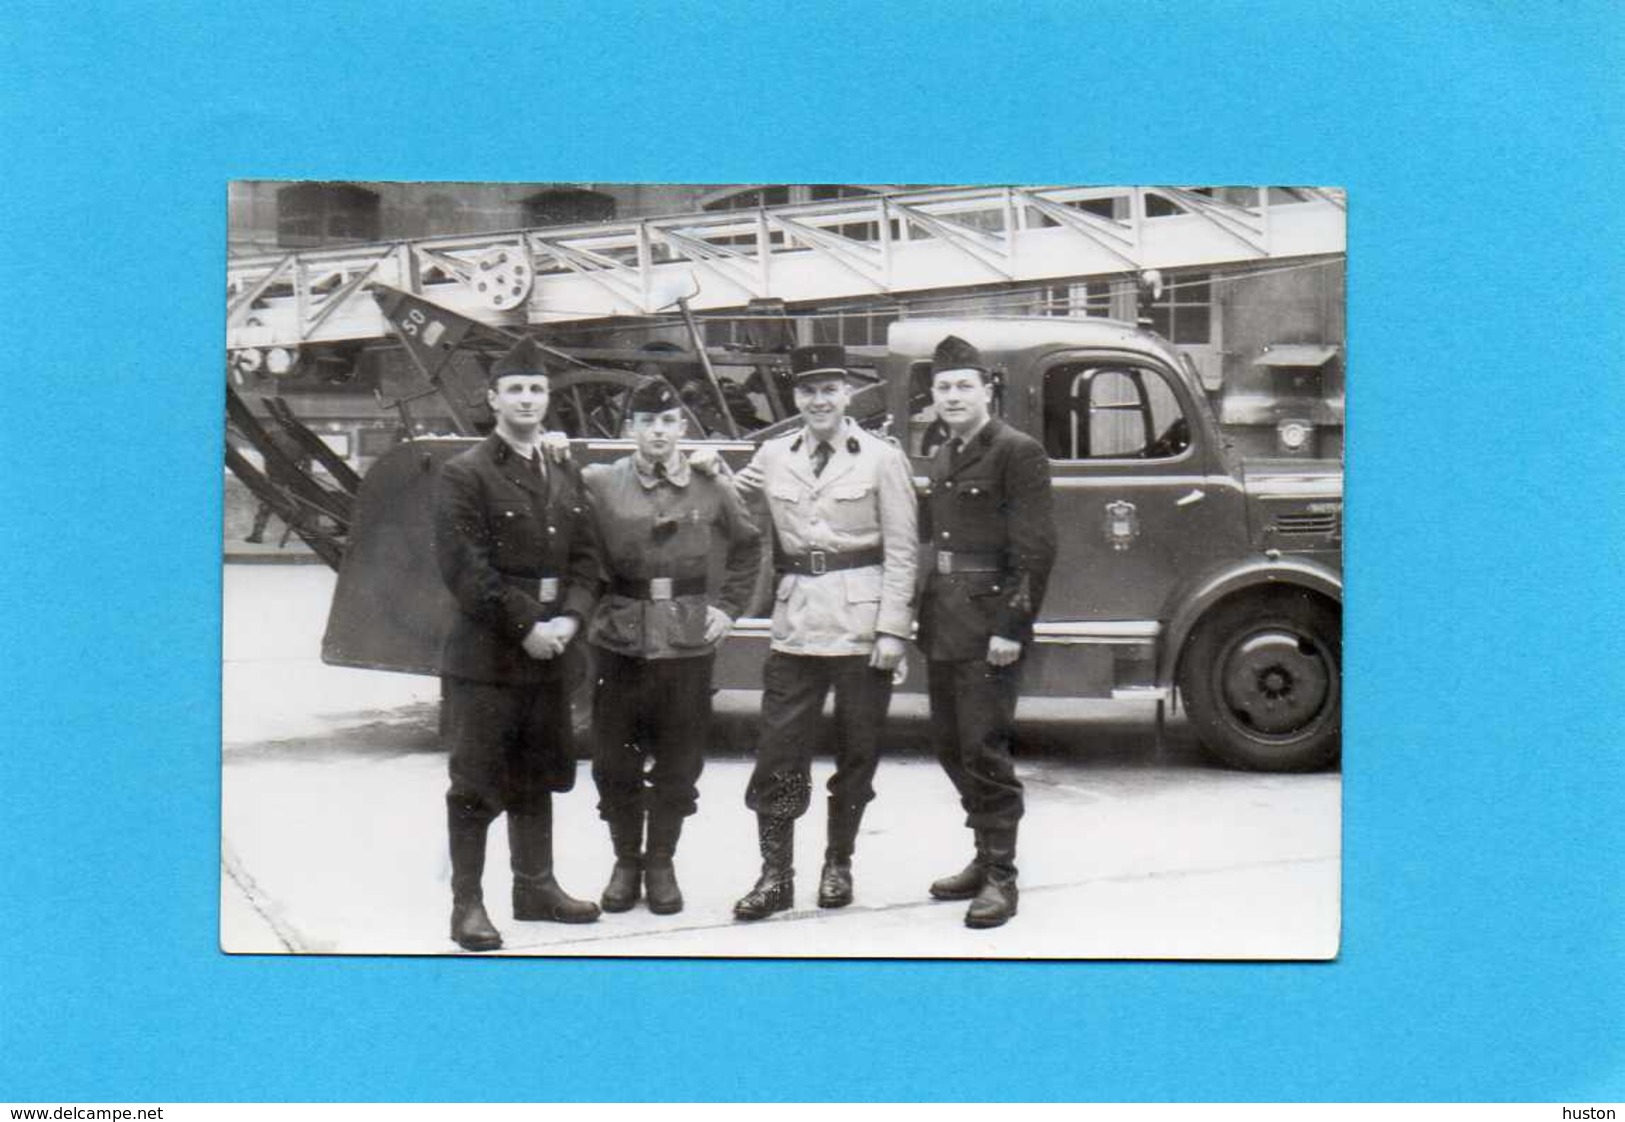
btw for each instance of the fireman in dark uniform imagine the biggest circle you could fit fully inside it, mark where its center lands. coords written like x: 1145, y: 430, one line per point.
x: 987, y: 515
x: 516, y: 549
x: 655, y: 635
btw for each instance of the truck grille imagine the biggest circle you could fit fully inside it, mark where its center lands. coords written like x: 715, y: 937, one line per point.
x: 1319, y: 524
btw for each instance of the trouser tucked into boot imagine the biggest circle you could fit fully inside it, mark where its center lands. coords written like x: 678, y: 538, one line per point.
x: 835, y: 882
x: 536, y: 895
x: 626, y: 880
x: 775, y: 889
x: 466, y: 827
x: 659, y: 873
x: 995, y: 902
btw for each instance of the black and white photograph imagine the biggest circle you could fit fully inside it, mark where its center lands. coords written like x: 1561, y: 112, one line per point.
x: 788, y: 571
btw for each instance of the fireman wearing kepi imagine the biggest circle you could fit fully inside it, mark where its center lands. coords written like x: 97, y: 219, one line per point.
x: 987, y: 517
x: 516, y: 550
x: 844, y: 517
x: 655, y: 635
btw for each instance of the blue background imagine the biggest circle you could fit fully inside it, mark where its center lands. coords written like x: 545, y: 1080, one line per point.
x: 1480, y: 144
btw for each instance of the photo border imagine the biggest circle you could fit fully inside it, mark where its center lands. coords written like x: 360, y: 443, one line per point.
x: 1482, y: 950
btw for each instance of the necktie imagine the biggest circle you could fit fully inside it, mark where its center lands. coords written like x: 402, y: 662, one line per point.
x: 660, y: 473
x: 820, y: 457
x: 956, y: 448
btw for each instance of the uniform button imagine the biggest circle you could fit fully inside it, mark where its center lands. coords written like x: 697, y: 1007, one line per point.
x: 949, y: 485
x: 945, y: 533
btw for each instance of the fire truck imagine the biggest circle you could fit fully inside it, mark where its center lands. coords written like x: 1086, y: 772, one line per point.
x: 1189, y: 574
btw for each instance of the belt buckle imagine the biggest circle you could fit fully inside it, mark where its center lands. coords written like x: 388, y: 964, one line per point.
x: 548, y: 589
x: 817, y: 561
x: 660, y: 588
x: 945, y: 562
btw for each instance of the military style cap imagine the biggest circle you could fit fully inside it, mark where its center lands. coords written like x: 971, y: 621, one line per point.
x: 651, y: 395
x: 821, y: 360
x: 524, y: 358
x: 953, y: 353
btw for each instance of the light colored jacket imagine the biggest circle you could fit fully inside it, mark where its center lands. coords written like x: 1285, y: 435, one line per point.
x: 864, y: 498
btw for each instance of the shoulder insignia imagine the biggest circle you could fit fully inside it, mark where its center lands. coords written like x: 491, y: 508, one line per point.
x: 852, y: 445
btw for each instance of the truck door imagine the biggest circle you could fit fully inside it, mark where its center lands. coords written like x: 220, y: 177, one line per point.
x: 1139, y: 501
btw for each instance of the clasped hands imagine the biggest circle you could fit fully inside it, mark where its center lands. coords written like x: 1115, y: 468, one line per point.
x: 548, y: 638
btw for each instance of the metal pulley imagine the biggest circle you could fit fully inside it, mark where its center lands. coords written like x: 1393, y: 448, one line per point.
x: 501, y: 277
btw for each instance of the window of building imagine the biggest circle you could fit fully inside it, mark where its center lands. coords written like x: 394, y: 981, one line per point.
x: 1111, y: 412
x: 1090, y: 298
x: 1115, y: 207
x: 315, y: 214
x: 1184, y: 314
x: 750, y: 199
x: 857, y: 231
x: 855, y: 327
x: 567, y: 206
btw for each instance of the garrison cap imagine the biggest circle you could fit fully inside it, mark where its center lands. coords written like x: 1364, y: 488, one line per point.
x: 524, y: 358
x: 953, y: 353
x: 651, y: 395
x: 823, y: 360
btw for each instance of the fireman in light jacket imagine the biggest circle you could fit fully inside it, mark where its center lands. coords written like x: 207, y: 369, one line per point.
x: 844, y: 518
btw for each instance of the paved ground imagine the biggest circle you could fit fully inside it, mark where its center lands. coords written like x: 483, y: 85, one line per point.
x: 333, y: 838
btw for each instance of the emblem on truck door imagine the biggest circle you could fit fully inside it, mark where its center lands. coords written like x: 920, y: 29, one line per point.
x: 1122, y: 524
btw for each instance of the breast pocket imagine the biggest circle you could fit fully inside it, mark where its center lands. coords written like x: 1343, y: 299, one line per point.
x: 852, y: 508
x: 513, y: 528
x: 976, y: 494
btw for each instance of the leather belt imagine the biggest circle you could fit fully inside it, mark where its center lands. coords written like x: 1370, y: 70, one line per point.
x: 817, y: 562
x: 545, y: 589
x: 955, y: 561
x: 658, y: 588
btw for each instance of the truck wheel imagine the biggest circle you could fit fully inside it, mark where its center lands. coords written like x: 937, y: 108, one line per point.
x: 1262, y: 681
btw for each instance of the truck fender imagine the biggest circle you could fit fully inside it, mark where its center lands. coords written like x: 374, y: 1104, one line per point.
x: 1192, y: 601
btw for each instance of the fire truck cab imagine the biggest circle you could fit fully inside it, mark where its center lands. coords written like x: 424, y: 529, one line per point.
x: 1182, y: 570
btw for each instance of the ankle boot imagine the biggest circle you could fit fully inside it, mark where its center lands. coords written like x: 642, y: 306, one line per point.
x: 965, y: 884
x: 471, y: 928
x: 659, y: 874
x: 536, y: 895
x: 995, y: 904
x: 835, y: 882
x: 625, y: 881
x: 775, y: 889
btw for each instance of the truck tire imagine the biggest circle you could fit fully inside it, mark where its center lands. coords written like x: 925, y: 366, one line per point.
x: 1262, y: 681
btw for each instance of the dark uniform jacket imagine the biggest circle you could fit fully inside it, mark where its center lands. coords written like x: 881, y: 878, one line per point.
x: 666, y: 529
x: 991, y: 507
x: 514, y: 551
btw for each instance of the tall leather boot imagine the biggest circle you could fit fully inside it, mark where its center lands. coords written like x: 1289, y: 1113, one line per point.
x: 626, y: 879
x: 775, y: 889
x: 471, y: 928
x: 659, y: 874
x: 995, y: 904
x: 965, y: 884
x: 835, y: 882
x: 536, y: 895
